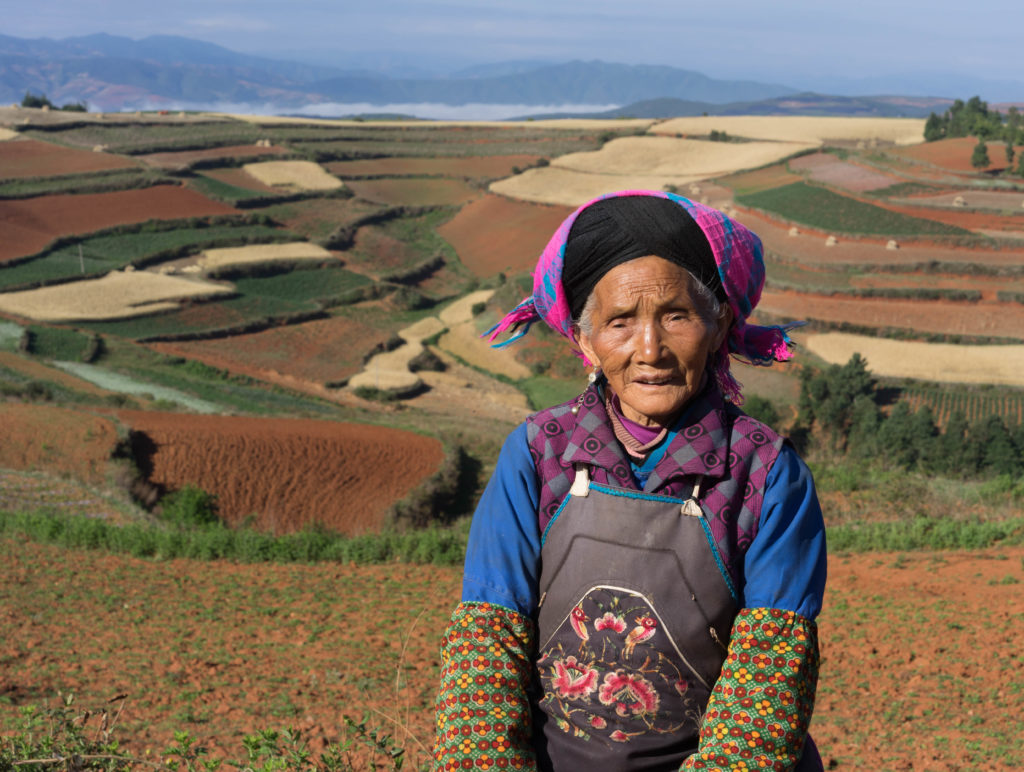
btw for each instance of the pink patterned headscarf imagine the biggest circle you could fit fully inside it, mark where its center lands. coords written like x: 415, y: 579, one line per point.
x: 740, y: 260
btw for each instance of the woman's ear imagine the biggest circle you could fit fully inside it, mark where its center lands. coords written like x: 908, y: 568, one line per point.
x: 584, y: 342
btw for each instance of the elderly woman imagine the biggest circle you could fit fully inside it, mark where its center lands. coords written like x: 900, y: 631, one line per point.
x: 646, y: 564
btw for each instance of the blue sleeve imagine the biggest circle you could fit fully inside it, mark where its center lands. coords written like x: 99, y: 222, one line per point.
x: 785, y: 565
x: 503, y: 554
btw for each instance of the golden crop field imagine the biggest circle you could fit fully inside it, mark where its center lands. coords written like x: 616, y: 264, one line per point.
x: 118, y: 295
x: 303, y: 175
x: 798, y: 128
x: 262, y: 253
x: 944, y: 362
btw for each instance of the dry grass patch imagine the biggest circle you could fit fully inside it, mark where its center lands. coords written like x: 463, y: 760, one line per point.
x: 676, y: 157
x: 647, y: 163
x: 261, y: 253
x: 943, y: 362
x: 786, y: 128
x: 118, y: 295
x: 293, y: 175
x: 6, y: 134
x: 554, y: 185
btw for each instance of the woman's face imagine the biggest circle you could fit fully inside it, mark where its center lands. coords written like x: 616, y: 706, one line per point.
x: 649, y: 338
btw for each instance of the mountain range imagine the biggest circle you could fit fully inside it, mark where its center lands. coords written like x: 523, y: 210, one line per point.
x: 112, y: 73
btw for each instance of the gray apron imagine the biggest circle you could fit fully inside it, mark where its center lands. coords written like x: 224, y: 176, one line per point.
x: 635, y: 612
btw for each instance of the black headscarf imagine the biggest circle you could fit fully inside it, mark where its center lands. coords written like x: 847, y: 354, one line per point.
x: 617, y: 230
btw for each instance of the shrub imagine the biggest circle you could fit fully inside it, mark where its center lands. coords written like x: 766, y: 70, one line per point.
x: 189, y: 506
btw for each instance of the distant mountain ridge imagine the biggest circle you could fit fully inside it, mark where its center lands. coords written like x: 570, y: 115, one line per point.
x: 115, y: 73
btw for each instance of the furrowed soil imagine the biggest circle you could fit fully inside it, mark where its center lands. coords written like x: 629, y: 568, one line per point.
x: 341, y: 476
x: 320, y: 351
x: 30, y: 224
x: 955, y: 154
x: 909, y: 679
x: 497, y: 234
x: 46, y: 437
x: 831, y: 170
x: 21, y: 158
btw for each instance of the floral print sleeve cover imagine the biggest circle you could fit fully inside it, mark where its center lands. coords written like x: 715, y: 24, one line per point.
x: 760, y: 708
x: 483, y: 712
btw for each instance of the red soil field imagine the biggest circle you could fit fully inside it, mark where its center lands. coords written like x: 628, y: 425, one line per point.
x: 955, y: 154
x: 21, y: 158
x: 480, y: 167
x: 948, y: 318
x: 911, y: 672
x: 496, y: 234
x: 318, y: 217
x: 414, y: 192
x: 320, y: 351
x: 240, y: 178
x: 380, y: 253
x: 45, y: 437
x: 182, y: 158
x: 289, y: 473
x: 30, y: 224
x: 975, y: 221
x: 831, y: 170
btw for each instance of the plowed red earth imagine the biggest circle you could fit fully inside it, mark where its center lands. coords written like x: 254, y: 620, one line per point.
x: 20, y: 158
x: 920, y: 651
x: 481, y: 167
x: 321, y: 351
x: 289, y: 473
x: 955, y: 154
x: 497, y: 234
x: 948, y: 318
x: 239, y: 178
x: 183, y: 158
x: 45, y: 437
x: 30, y: 224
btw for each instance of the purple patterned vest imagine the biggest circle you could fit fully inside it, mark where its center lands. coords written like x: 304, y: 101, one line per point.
x: 731, y: 451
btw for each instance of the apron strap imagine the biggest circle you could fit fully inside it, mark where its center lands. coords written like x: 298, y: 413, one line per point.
x: 581, y: 484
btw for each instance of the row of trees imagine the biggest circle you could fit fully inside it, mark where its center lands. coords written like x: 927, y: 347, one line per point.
x: 40, y: 100
x: 973, y: 119
x: 841, y: 404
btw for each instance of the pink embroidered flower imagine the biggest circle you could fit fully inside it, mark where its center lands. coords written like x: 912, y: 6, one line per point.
x: 619, y: 736
x: 573, y: 680
x: 597, y: 722
x: 682, y: 686
x: 631, y: 695
x: 610, y: 622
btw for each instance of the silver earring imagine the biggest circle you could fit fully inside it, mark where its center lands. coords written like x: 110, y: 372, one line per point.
x: 591, y: 380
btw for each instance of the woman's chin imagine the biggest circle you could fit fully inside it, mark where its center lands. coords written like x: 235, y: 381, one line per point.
x: 649, y: 404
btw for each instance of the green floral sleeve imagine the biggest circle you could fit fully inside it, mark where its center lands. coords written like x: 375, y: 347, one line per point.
x: 760, y: 708
x: 483, y: 712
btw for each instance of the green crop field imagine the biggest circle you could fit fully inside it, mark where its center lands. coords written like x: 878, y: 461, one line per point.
x: 303, y: 285
x: 975, y: 404
x: 81, y: 183
x: 100, y: 254
x: 135, y: 139
x: 820, y: 208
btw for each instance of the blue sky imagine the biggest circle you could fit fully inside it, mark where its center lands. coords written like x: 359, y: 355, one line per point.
x: 868, y: 46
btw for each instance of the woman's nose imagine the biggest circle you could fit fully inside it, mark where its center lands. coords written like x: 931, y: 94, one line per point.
x: 649, y: 345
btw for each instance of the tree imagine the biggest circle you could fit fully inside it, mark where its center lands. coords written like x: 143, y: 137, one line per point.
x: 934, y: 128
x: 33, y: 100
x: 979, y: 158
x: 1020, y: 165
x: 951, y: 453
x: 896, y: 437
x: 1009, y: 154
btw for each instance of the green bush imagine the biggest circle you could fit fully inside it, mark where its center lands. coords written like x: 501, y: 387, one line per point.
x: 189, y: 506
